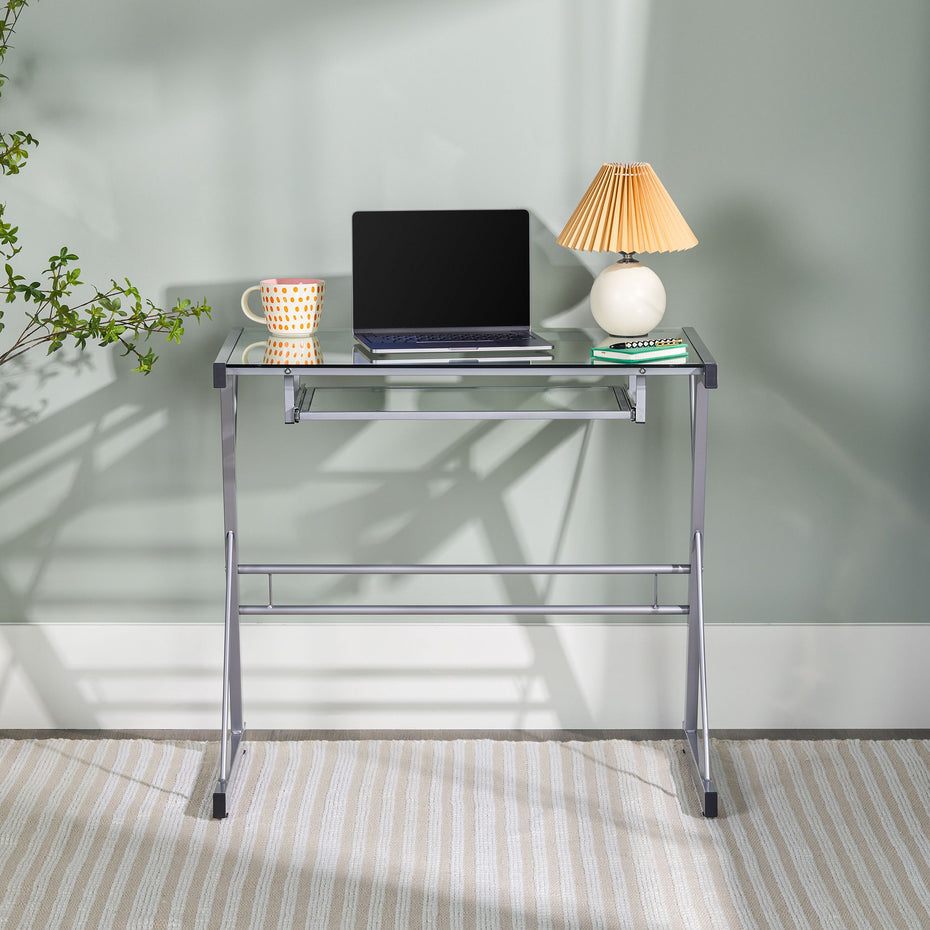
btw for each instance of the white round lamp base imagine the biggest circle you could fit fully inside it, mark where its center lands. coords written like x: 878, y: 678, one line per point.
x: 627, y: 299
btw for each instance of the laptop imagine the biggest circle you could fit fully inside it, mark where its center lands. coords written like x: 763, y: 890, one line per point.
x: 442, y: 280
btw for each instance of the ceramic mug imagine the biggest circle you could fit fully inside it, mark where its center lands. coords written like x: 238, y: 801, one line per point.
x: 291, y: 306
x: 283, y: 350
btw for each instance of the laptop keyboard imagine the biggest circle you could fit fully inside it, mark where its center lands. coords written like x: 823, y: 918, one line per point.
x: 498, y: 337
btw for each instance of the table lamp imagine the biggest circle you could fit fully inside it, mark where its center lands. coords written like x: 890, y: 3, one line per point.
x: 627, y: 210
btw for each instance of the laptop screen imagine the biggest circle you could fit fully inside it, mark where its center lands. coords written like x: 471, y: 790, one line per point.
x: 424, y: 269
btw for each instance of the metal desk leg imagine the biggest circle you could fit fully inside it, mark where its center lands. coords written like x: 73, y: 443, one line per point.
x: 231, y: 726
x: 696, y: 684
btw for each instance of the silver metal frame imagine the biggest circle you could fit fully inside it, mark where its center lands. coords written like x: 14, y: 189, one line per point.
x: 630, y: 405
x: 696, y: 684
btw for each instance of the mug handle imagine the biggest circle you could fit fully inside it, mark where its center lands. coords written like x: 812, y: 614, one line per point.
x: 245, y: 304
x: 247, y: 349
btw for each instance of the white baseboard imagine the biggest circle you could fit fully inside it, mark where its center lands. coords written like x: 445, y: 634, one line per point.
x: 463, y: 676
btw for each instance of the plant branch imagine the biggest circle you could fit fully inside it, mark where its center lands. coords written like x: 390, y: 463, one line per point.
x: 53, y: 322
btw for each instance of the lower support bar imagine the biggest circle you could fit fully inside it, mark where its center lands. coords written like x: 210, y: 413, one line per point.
x: 267, y: 568
x: 634, y: 610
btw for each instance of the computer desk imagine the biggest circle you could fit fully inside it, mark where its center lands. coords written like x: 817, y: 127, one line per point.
x: 328, y: 377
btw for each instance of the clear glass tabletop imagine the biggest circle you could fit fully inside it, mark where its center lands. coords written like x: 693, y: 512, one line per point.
x: 256, y: 350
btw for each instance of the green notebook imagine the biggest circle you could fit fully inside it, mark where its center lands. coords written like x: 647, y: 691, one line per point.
x: 640, y: 354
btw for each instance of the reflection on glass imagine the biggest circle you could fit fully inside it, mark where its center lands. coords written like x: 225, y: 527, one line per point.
x: 284, y: 350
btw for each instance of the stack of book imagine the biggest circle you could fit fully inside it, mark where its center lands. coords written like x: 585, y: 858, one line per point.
x: 639, y: 351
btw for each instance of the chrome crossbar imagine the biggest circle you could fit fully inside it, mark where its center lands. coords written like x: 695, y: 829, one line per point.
x: 467, y: 569
x: 664, y: 610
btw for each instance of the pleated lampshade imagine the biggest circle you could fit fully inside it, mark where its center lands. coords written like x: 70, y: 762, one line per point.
x: 626, y: 209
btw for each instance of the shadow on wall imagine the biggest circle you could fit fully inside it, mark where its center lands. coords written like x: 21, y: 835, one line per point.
x: 105, y: 502
x: 113, y: 504
x: 809, y: 285
x: 829, y: 452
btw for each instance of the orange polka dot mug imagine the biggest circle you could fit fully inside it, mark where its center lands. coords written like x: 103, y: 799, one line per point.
x: 291, y: 306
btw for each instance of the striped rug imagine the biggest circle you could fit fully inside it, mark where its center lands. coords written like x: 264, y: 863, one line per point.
x: 456, y: 834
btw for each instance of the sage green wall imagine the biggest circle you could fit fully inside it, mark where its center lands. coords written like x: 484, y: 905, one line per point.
x: 198, y: 147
